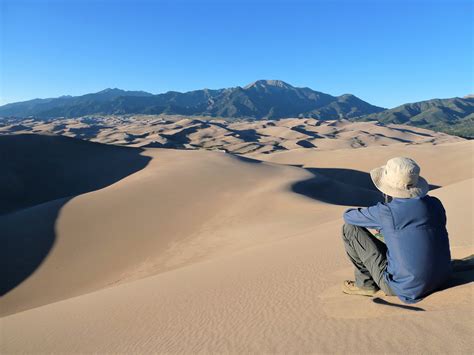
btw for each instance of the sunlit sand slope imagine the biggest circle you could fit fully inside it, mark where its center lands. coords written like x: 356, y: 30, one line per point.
x: 203, y: 251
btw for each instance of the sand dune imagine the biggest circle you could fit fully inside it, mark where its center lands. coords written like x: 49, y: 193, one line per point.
x: 241, y: 137
x: 441, y: 164
x: 277, y: 298
x: 41, y: 168
x: 141, y: 225
x: 196, y: 251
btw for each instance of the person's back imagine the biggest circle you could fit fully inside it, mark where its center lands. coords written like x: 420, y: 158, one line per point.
x: 418, y: 256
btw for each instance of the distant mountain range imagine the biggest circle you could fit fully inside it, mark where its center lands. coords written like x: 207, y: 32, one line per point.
x: 454, y: 116
x: 269, y: 99
x: 263, y: 99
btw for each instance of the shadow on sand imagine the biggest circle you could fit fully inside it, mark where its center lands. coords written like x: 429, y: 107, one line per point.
x: 39, y: 175
x: 386, y: 303
x: 339, y: 186
x: 463, y: 272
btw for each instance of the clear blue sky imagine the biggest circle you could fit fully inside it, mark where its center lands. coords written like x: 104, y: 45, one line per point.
x: 386, y: 52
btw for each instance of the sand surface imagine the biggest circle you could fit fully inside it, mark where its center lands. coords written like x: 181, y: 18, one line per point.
x: 240, y: 137
x: 197, y: 251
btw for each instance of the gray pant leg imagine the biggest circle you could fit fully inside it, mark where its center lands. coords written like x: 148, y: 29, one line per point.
x: 368, y: 254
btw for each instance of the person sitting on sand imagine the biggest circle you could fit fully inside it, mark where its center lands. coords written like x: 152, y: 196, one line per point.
x: 412, y: 259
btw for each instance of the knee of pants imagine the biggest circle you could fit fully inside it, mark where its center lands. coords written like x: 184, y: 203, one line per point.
x: 348, y: 230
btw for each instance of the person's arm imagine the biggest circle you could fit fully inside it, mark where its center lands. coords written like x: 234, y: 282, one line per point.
x: 364, y: 217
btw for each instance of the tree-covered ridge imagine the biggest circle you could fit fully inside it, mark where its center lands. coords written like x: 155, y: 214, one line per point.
x: 454, y: 116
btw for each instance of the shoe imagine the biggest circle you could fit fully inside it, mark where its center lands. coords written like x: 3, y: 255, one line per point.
x: 350, y: 288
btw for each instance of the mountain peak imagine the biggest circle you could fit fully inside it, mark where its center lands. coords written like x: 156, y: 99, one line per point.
x: 109, y: 90
x: 268, y: 83
x: 347, y: 97
x: 115, y: 92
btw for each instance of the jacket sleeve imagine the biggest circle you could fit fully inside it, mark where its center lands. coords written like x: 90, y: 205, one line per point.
x: 364, y: 217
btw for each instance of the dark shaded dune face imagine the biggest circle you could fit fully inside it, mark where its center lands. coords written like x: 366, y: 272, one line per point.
x: 336, y: 186
x: 303, y: 130
x: 305, y: 144
x: 356, y: 179
x: 339, y: 186
x: 38, y: 176
x: 41, y: 168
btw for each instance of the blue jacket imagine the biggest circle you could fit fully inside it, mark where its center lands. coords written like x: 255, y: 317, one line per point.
x: 414, y: 229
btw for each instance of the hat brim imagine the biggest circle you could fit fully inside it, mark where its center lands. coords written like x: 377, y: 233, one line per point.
x: 420, y: 190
